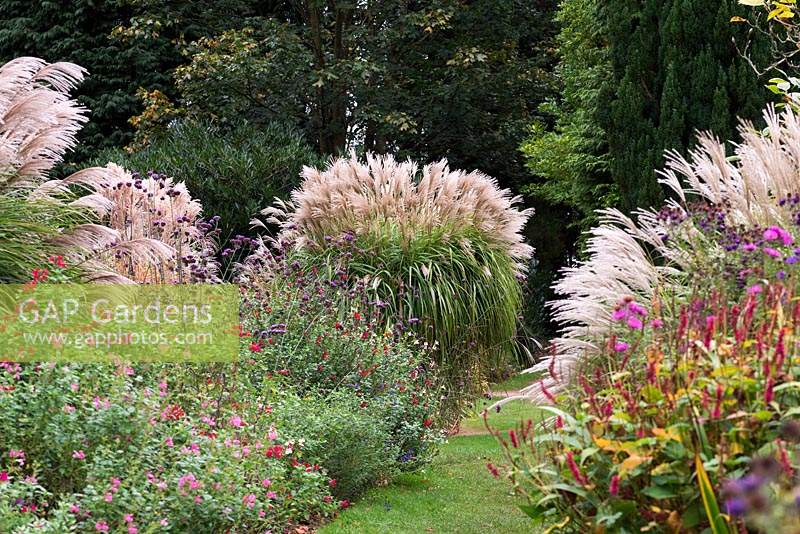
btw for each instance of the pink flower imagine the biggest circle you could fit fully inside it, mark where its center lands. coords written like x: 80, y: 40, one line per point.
x: 266, y: 482
x: 619, y: 314
x: 168, y: 441
x: 3, y: 476
x: 749, y: 247
x: 78, y: 455
x: 101, y: 526
x: 769, y: 251
x: 249, y: 500
x: 133, y: 530
x: 754, y: 289
x: 74, y: 386
x: 128, y: 518
x: 771, y: 233
x: 164, y: 522
x: 74, y: 509
x: 68, y: 408
x: 656, y: 323
x: 776, y: 232
x: 236, y: 421
x: 621, y: 346
x: 108, y: 497
x: 273, y: 434
x: 635, y: 323
x: 271, y: 495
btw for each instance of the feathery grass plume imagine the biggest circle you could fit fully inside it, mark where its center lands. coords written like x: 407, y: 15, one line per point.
x: 630, y: 258
x: 38, y: 120
x: 442, y: 250
x: 39, y: 217
x: 161, y: 237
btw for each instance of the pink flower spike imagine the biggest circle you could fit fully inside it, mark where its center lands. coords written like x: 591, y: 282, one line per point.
x: 769, y: 251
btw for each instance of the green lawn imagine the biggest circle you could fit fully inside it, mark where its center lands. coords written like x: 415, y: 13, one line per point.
x: 455, y: 494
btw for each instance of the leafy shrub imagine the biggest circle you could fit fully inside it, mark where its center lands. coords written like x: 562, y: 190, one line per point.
x: 343, y: 435
x: 700, y: 382
x: 125, y: 449
x: 299, y: 331
x: 233, y: 171
x: 440, y: 249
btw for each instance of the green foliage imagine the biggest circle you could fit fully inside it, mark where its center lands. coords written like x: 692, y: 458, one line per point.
x: 675, y: 70
x: 79, y: 32
x: 344, y: 437
x: 638, y: 79
x: 28, y: 228
x: 570, y: 161
x: 234, y: 171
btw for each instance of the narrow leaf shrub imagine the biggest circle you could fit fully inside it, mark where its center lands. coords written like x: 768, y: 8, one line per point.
x: 233, y: 171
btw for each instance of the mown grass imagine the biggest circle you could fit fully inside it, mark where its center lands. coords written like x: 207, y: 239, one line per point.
x: 456, y: 494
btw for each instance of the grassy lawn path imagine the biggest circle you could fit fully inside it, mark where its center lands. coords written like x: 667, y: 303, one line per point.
x: 456, y: 494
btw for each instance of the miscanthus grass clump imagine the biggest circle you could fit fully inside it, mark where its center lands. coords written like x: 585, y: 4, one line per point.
x: 441, y: 250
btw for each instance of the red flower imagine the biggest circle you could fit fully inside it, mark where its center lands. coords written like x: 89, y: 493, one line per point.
x: 427, y: 422
x: 357, y: 316
x: 344, y: 503
x: 613, y: 487
x: 255, y: 347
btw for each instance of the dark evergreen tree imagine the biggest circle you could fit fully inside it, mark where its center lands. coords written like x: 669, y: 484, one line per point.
x: 79, y: 31
x: 676, y: 71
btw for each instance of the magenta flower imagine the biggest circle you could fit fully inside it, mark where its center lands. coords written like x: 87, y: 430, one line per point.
x: 621, y: 346
x: 3, y: 476
x: 754, y: 289
x: 249, y: 500
x: 78, y: 455
x: 769, y: 251
x: 635, y: 323
x: 101, y: 526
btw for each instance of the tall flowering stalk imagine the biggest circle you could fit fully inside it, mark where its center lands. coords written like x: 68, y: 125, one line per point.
x: 716, y: 383
x: 644, y: 257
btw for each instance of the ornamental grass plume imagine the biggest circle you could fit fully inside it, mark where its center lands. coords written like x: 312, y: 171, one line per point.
x: 441, y: 250
x: 38, y: 125
x: 633, y: 257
